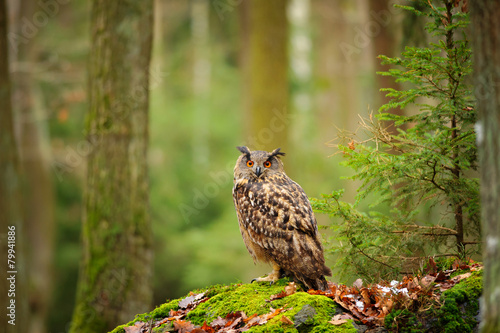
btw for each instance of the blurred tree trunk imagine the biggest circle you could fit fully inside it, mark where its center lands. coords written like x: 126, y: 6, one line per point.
x: 243, y: 59
x: 265, y: 69
x: 116, y: 271
x: 37, y: 183
x: 486, y: 50
x: 384, y: 43
x: 301, y: 69
x: 201, y: 80
x: 13, y: 300
x: 338, y: 94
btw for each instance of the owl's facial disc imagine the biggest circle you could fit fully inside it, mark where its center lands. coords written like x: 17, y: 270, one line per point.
x: 258, y: 164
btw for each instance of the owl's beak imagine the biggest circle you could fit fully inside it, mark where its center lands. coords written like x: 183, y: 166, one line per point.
x: 258, y: 171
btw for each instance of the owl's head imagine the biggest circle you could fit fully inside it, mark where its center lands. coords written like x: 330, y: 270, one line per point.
x: 258, y: 164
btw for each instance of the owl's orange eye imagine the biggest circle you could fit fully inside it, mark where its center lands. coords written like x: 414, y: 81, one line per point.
x: 250, y: 164
x: 267, y: 164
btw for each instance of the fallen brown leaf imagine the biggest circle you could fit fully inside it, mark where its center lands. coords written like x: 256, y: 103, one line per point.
x: 290, y: 289
x: 250, y: 318
x: 441, y: 276
x: 461, y: 277
x: 365, y: 293
x: 191, y: 300
x: 432, y: 267
x: 273, y: 313
x: 338, y: 322
x: 233, y: 323
x: 207, y: 328
x: 183, y: 326
x: 198, y: 330
x: 253, y: 320
x: 286, y: 320
x: 137, y: 328
x: 218, y: 323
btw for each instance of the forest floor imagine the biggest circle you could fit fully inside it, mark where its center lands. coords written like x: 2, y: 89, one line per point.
x: 437, y: 301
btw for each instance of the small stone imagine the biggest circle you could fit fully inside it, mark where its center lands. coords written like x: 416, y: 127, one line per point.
x: 307, y: 312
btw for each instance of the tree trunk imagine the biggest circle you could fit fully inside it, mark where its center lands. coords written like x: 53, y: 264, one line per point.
x: 266, y: 71
x: 384, y: 43
x: 115, y: 275
x: 200, y: 10
x: 486, y: 50
x: 37, y: 183
x: 13, y: 300
x: 339, y: 94
x: 301, y: 71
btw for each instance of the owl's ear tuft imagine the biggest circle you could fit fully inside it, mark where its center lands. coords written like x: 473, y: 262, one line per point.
x: 276, y: 152
x: 244, y: 150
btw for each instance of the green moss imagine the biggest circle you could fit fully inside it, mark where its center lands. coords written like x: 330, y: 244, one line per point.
x: 327, y: 327
x: 216, y: 289
x: 160, y: 312
x: 459, y: 272
x: 254, y: 299
x: 444, y: 263
x: 249, y: 298
x: 323, y: 311
x: 460, y: 305
x: 311, y: 313
x: 403, y: 321
x: 120, y: 329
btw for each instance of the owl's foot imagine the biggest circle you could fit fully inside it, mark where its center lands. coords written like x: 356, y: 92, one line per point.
x: 271, y: 277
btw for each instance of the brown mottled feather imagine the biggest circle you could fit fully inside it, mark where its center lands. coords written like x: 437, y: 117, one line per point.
x: 278, y: 226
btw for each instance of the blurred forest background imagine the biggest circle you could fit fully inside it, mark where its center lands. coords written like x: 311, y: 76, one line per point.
x: 198, y: 114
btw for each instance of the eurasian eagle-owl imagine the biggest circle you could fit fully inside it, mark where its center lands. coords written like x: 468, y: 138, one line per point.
x: 276, y: 219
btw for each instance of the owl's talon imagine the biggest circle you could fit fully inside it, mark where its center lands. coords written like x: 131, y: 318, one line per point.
x: 271, y: 277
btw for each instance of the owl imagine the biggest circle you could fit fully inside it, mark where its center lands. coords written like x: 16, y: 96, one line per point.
x: 276, y: 220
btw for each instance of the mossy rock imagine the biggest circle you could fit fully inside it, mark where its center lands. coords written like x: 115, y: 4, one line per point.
x: 309, y: 313
x: 461, y: 305
x: 457, y: 313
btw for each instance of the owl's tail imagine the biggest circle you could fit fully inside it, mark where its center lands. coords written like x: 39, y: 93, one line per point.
x: 316, y: 281
x: 319, y: 283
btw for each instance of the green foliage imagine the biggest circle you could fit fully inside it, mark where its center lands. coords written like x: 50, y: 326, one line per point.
x: 353, y: 247
x: 403, y: 321
x: 420, y: 163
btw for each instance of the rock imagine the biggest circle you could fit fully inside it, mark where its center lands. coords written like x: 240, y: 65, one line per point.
x: 305, y: 314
